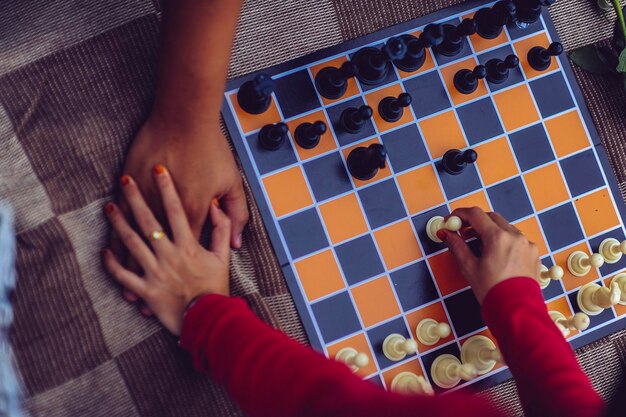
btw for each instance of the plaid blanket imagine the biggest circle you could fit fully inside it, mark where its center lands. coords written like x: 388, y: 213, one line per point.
x: 76, y: 82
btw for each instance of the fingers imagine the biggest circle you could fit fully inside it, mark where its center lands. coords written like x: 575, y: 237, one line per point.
x: 459, y: 249
x: 221, y: 235
x: 502, y: 223
x: 130, y: 281
x: 235, y: 205
x: 174, y: 209
x: 477, y: 219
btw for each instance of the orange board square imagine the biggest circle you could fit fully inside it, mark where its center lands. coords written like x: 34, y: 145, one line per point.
x: 597, y: 212
x: 516, y: 107
x: 447, y: 274
x: 546, y: 186
x: 620, y: 309
x: 524, y: 46
x: 567, y: 133
x: 375, y: 301
x: 351, y: 90
x: 250, y: 122
x: 562, y: 306
x: 327, y: 143
x: 433, y: 311
x: 570, y: 281
x: 420, y: 189
x: 412, y: 366
x: 359, y: 343
x: 442, y: 132
x: 319, y: 275
x: 382, y: 173
x: 478, y: 199
x: 398, y: 244
x: 531, y: 229
x: 343, y: 218
x: 373, y: 100
x: 448, y: 74
x: 287, y: 191
x: 429, y: 63
x: 496, y: 161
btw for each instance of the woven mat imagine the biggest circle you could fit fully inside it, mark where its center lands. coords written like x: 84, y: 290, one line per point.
x: 77, y: 79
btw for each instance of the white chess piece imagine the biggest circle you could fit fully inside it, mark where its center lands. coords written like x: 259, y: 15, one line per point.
x: 447, y: 371
x: 579, y: 263
x: 396, y: 347
x: 437, y: 223
x: 612, y: 250
x: 620, y: 280
x: 481, y: 352
x: 409, y: 383
x: 579, y: 321
x: 554, y: 273
x: 593, y: 299
x: 353, y: 359
x: 430, y: 331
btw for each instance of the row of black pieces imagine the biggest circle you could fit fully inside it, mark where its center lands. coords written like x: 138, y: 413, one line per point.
x: 307, y: 135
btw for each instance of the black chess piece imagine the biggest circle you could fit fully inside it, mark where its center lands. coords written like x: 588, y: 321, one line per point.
x: 455, y: 161
x: 392, y: 108
x: 364, y: 163
x: 272, y: 136
x: 540, y: 58
x: 454, y: 37
x: 498, y: 70
x: 255, y: 96
x: 466, y: 81
x: 416, y: 47
x: 308, y: 135
x: 528, y: 11
x: 332, y: 82
x: 373, y: 64
x: 491, y: 20
x: 353, y: 119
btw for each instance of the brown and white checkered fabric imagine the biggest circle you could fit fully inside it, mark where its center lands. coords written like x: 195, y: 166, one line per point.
x: 76, y: 82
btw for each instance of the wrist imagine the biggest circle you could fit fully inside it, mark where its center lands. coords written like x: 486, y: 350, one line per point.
x: 181, y: 126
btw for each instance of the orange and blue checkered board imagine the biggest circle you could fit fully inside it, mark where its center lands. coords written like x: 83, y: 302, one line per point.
x: 355, y: 253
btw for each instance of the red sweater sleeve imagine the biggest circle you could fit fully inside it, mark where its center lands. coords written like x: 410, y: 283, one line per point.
x: 268, y: 374
x: 548, y: 378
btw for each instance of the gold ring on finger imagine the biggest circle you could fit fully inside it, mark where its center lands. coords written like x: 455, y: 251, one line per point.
x: 156, y: 235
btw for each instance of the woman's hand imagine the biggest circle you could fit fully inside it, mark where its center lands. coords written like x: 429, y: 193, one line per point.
x: 506, y: 253
x: 176, y: 270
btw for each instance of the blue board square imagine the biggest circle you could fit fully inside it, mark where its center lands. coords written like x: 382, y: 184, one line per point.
x: 303, y: 233
x: 429, y: 358
x: 608, y: 269
x: 515, y: 74
x: 414, y: 285
x: 378, y: 334
x: 480, y: 121
x: 326, y: 313
x: 382, y: 203
x: 343, y: 137
x: 359, y: 259
x: 464, y: 312
x: 594, y: 321
x: 268, y: 161
x: 296, y: 94
x: 516, y: 32
x: 458, y: 185
x: 428, y: 93
x: 531, y: 147
x: 420, y: 222
x: 405, y: 148
x: 510, y: 199
x: 582, y: 173
x: 552, y: 94
x: 561, y: 227
x: 327, y: 176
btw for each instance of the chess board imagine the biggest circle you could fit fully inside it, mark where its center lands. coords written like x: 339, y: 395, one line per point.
x: 355, y: 253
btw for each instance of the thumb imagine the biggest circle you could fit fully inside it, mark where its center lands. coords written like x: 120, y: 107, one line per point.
x: 236, y: 208
x: 459, y: 249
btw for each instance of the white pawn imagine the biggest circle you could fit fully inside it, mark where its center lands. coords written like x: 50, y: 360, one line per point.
x: 579, y: 321
x: 430, y: 331
x: 612, y: 250
x: 353, y: 359
x: 396, y: 347
x: 593, y: 299
x: 437, y: 223
x: 409, y: 383
x: 447, y: 371
x: 579, y: 263
x: 620, y: 280
x: 554, y: 273
x: 481, y: 352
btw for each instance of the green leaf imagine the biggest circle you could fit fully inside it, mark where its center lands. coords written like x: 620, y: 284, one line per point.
x: 589, y: 59
x: 621, y: 67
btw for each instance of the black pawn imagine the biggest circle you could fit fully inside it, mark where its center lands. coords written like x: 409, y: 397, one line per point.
x: 308, y: 134
x: 540, y: 58
x: 364, y: 163
x: 498, y: 70
x: 373, y: 65
x: 416, y: 47
x: 392, y: 108
x: 332, y: 82
x: 353, y: 119
x: 455, y: 161
x: 528, y: 11
x: 255, y: 96
x: 491, y: 20
x: 466, y: 81
x: 272, y: 137
x: 454, y: 37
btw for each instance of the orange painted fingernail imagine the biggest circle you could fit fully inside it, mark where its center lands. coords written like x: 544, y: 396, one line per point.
x: 216, y: 202
x: 124, y: 180
x: 159, y: 169
x: 109, y: 207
